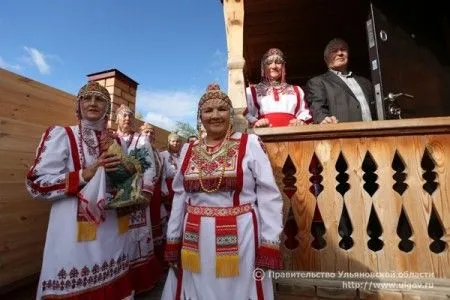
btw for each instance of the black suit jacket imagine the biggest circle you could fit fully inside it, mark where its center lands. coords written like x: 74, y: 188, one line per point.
x: 328, y: 95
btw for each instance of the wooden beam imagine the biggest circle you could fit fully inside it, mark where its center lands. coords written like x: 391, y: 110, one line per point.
x: 234, y: 23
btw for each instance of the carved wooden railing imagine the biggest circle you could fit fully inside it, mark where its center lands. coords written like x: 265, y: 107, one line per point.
x: 365, y: 197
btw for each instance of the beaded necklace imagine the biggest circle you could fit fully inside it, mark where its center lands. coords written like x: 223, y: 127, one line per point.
x: 197, y: 154
x: 94, y: 150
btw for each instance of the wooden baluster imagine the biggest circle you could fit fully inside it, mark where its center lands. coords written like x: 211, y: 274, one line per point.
x: 404, y: 230
x: 290, y: 226
x: 374, y: 228
x: 345, y: 227
x: 317, y: 226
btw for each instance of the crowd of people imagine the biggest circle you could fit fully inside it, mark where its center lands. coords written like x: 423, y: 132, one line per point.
x: 210, y: 210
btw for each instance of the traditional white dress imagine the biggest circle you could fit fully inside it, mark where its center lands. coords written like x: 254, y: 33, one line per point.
x: 171, y: 164
x: 247, y: 204
x: 72, y: 268
x: 279, y: 105
x: 145, y: 269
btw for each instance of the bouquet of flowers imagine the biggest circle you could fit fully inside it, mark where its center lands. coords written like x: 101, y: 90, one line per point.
x: 127, y: 180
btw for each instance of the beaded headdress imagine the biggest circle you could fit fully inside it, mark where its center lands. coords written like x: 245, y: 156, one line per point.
x: 173, y: 136
x: 89, y: 89
x: 146, y: 126
x: 270, y: 53
x: 123, y: 109
x: 213, y: 92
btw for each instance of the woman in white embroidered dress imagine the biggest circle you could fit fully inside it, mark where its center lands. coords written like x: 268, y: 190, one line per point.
x: 170, y: 159
x: 156, y: 206
x: 85, y: 255
x: 273, y: 102
x: 226, y: 216
x: 145, y: 268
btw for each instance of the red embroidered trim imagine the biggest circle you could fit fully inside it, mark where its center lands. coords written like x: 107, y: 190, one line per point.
x: 172, y: 251
x: 98, y: 282
x: 276, y: 94
x: 267, y: 257
x: 206, y: 211
x: 145, y: 276
x: 240, y: 173
x: 255, y: 100
x: 226, y: 236
x: 47, y: 189
x: 138, y: 217
x: 187, y: 158
x: 193, y: 185
x: 73, y: 183
x: 259, y: 289
x: 43, y: 188
x: 39, y: 152
x: 119, y: 289
x: 84, y: 214
x: 192, y: 232
x: 73, y: 149
x: 299, y: 100
x: 179, y: 283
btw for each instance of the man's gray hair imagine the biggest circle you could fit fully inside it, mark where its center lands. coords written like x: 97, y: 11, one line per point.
x: 333, y: 43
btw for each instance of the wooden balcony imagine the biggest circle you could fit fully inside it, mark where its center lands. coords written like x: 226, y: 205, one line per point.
x: 362, y: 198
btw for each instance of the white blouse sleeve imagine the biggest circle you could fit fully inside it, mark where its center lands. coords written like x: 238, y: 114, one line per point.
x: 303, y: 113
x: 150, y: 173
x: 52, y: 175
x: 164, y: 163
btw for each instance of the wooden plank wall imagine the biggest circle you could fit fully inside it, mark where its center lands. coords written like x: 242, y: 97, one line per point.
x: 27, y: 108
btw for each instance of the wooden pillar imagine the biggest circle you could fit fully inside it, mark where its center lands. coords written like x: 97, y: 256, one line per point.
x: 234, y: 23
x: 121, y: 88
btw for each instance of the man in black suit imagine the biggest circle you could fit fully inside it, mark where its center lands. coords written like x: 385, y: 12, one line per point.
x: 338, y: 95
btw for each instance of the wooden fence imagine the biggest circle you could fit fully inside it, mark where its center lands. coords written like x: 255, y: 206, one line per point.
x: 27, y: 108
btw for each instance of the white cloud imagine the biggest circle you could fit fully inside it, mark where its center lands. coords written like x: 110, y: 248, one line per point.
x: 165, y: 108
x: 5, y: 65
x: 160, y: 121
x: 38, y: 59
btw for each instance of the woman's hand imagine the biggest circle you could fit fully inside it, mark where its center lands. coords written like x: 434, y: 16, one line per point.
x: 296, y: 122
x: 174, y: 266
x: 109, y: 161
x: 147, y: 195
x: 330, y: 120
x: 262, y: 123
x: 130, y: 167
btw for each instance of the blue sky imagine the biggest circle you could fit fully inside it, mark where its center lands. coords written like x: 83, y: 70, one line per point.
x: 173, y: 48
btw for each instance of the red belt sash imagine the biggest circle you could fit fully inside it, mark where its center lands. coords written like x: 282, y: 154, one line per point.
x: 227, y: 251
x: 279, y: 119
